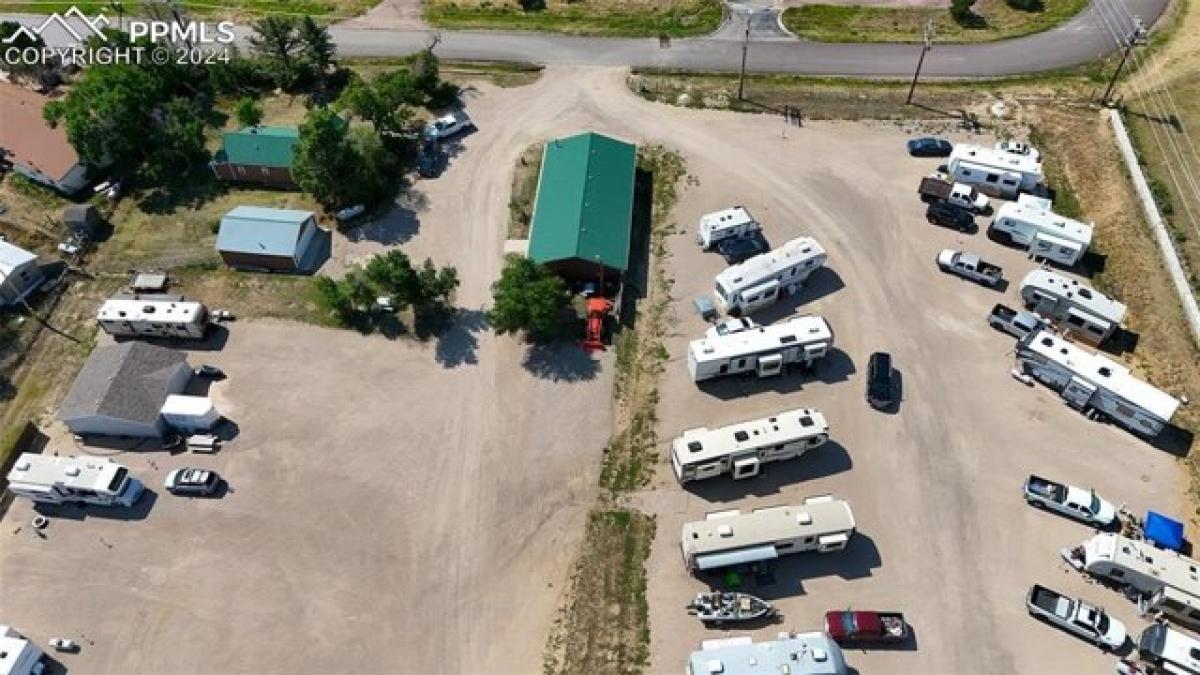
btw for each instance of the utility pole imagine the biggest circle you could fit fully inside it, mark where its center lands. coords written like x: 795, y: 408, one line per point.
x: 1136, y: 37
x: 745, y: 49
x: 925, y: 47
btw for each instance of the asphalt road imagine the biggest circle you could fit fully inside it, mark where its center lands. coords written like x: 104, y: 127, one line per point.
x: 1084, y: 38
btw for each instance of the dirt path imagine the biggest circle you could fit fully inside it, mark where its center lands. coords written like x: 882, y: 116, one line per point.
x: 390, y: 15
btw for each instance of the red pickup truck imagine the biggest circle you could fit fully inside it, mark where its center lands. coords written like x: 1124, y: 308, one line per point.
x: 847, y: 626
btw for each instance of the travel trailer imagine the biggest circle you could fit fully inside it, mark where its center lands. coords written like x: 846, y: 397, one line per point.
x: 744, y: 447
x: 1072, y: 305
x: 153, y: 316
x: 1170, y: 650
x: 813, y: 653
x: 19, y: 656
x: 994, y: 172
x: 1177, y: 605
x: 730, y: 223
x: 762, y: 350
x: 1029, y: 222
x: 1141, y: 566
x: 81, y: 480
x: 1095, y: 384
x: 759, y: 281
x: 724, y: 538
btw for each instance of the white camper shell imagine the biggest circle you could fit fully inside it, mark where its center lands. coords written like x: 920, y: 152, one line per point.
x: 994, y: 172
x: 1094, y: 383
x: 19, y: 656
x: 1029, y: 222
x: 742, y: 449
x: 153, y: 316
x: 1140, y: 565
x: 731, y: 223
x: 190, y: 414
x: 763, y: 350
x: 1072, y: 305
x: 759, y: 281
x: 1172, y: 651
x: 82, y: 480
x: 822, y: 524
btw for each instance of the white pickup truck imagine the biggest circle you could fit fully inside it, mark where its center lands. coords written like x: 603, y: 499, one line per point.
x: 1070, y: 501
x: 969, y: 266
x: 1076, y: 616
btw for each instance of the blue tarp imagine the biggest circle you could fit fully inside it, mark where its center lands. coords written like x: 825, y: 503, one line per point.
x: 1164, y: 531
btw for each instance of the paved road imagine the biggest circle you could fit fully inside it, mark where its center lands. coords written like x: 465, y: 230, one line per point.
x: 1082, y: 39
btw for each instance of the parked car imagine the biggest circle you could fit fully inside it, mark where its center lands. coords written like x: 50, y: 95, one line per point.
x: 430, y: 158
x: 881, y: 381
x: 740, y: 249
x: 195, y: 482
x: 730, y: 326
x: 351, y: 212
x: 859, y: 626
x: 1070, y: 501
x: 1016, y: 323
x: 448, y: 125
x: 930, y: 146
x: 969, y: 266
x: 950, y: 215
x: 1075, y: 616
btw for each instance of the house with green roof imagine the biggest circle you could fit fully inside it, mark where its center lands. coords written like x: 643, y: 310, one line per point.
x: 583, y: 212
x: 258, y: 154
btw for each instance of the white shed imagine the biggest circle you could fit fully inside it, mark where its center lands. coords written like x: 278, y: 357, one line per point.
x: 190, y: 413
x: 19, y: 273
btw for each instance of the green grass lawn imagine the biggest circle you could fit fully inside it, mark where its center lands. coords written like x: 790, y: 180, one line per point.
x: 679, y: 19
x: 998, y: 21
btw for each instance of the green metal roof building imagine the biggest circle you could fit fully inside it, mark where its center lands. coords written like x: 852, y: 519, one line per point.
x: 257, y: 155
x: 582, y: 216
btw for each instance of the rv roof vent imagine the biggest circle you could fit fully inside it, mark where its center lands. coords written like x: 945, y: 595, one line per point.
x: 72, y: 471
x: 819, y: 655
x: 806, y: 421
x: 695, y: 446
x: 725, y: 530
x: 121, y: 313
x: 714, y: 666
x: 23, y: 466
x: 1085, y: 293
x: 740, y: 436
x: 804, y: 518
x: 149, y: 309
x: 708, y: 348
x: 1105, y: 371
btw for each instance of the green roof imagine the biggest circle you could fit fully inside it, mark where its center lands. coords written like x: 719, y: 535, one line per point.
x: 258, y: 146
x: 584, y: 201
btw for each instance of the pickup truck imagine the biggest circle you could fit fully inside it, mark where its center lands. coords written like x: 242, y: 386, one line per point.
x: 848, y: 626
x: 937, y: 189
x: 1075, y: 616
x: 1016, y: 323
x: 969, y: 266
x: 1070, y: 501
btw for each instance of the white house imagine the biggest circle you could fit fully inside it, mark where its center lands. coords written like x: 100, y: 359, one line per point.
x: 122, y: 389
x: 1072, y: 305
x: 20, y: 273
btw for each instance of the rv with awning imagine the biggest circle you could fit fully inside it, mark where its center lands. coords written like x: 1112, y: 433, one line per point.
x: 1147, y: 569
x: 762, y: 350
x: 742, y: 449
x: 760, y: 281
x: 1029, y: 222
x: 725, y: 538
x: 995, y: 172
x: 1072, y: 305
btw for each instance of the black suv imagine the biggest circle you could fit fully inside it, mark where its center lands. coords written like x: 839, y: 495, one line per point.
x: 881, y: 381
x: 949, y: 215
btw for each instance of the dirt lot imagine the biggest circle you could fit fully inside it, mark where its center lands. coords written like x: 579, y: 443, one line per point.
x: 399, y: 507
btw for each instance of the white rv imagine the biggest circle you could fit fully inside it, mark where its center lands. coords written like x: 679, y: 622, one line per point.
x: 1070, y: 304
x: 19, y: 656
x: 744, y: 447
x: 759, y: 281
x: 724, y: 538
x: 763, y: 350
x: 153, y: 316
x: 1140, y: 565
x: 1095, y: 384
x: 82, y: 480
x: 1176, y: 604
x: 730, y: 223
x: 812, y: 653
x: 1047, y: 235
x: 1170, y: 650
x: 994, y: 172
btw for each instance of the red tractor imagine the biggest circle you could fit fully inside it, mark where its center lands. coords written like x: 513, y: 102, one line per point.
x: 597, y: 310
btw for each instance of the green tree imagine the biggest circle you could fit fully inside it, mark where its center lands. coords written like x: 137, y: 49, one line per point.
x: 322, y: 161
x: 179, y: 141
x: 528, y: 298
x: 332, y: 296
x: 318, y: 49
x: 392, y: 273
x: 437, y: 285
x: 249, y: 113
x: 277, y: 40
x: 960, y: 11
x: 18, y: 68
x: 384, y: 102
x: 107, y: 114
x: 374, y: 169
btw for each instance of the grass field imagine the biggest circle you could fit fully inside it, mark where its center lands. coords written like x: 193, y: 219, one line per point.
x: 331, y: 9
x: 628, y: 18
x: 996, y: 21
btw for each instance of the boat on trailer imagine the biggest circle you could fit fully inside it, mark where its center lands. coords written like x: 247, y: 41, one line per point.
x: 721, y: 607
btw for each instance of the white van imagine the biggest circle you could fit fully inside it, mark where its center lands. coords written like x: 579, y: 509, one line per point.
x: 731, y: 223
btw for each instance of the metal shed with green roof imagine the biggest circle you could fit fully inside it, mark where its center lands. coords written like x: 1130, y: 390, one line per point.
x: 582, y: 216
x: 258, y: 154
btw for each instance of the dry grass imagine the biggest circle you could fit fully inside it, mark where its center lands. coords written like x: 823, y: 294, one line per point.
x: 465, y: 73
x: 629, y: 18
x: 524, y: 191
x: 995, y: 20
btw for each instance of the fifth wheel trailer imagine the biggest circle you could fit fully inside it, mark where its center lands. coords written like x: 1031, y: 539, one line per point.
x: 1045, y: 234
x: 726, y: 538
x: 760, y: 281
x: 742, y: 449
x: 994, y: 172
x: 763, y: 350
x: 153, y: 316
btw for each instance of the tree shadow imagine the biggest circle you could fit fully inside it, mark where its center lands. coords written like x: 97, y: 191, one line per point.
x: 560, y: 362
x: 637, y: 277
x: 1173, y: 440
x: 1122, y: 341
x: 190, y: 190
x: 828, y: 459
x: 138, y: 511
x: 395, y: 226
x: 1092, y: 263
x: 457, y: 342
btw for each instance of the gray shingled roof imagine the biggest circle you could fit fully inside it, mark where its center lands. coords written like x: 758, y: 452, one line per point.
x: 126, y: 381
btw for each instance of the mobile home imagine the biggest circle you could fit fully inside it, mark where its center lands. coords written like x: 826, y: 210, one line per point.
x: 995, y: 172
x: 1095, y: 384
x: 1141, y: 566
x: 1172, y: 651
x: 729, y: 223
x: 82, y: 480
x: 153, y: 316
x: 1072, y: 305
x: 763, y: 350
x: 759, y: 281
x: 821, y: 524
x: 744, y: 447
x: 1029, y: 222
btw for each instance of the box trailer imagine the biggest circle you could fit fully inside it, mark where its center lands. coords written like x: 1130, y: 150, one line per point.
x: 742, y: 449
x: 761, y: 280
x: 1029, y: 222
x: 190, y: 414
x: 731, y: 223
x: 725, y: 538
x: 762, y: 350
x: 81, y: 480
x: 153, y: 316
x: 995, y: 172
x: 1072, y: 305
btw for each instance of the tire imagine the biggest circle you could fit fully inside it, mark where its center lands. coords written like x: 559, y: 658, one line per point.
x: 1036, y: 504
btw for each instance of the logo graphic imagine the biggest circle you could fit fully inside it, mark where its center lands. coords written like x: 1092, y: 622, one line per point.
x: 95, y: 26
